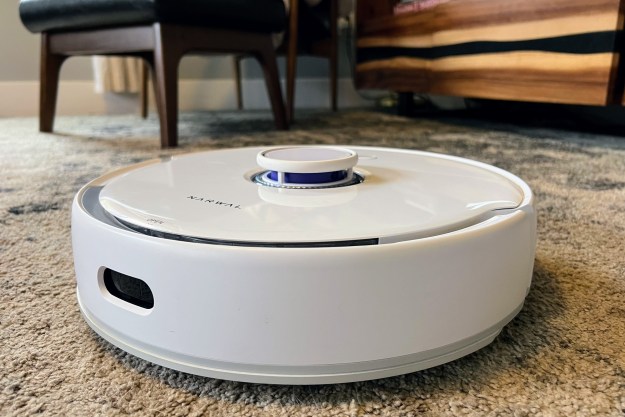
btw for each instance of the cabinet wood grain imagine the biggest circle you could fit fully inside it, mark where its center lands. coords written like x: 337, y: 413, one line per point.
x: 562, y: 51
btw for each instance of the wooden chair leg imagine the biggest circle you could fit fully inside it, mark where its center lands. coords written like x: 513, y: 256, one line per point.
x: 237, y: 79
x: 267, y: 59
x: 166, y: 59
x: 291, y: 62
x: 143, y: 93
x: 334, y: 55
x: 48, y: 84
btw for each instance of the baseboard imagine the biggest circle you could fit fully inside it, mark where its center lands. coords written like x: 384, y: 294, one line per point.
x: 79, y: 97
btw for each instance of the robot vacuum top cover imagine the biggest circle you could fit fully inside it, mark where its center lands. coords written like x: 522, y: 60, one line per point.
x: 393, y: 196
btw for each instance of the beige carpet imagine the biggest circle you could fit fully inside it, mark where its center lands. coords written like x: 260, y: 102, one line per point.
x: 564, y: 355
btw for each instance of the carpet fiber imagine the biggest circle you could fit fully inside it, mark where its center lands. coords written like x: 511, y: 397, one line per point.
x: 564, y: 354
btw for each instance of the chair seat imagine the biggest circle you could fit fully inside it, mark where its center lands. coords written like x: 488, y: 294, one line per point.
x: 265, y: 16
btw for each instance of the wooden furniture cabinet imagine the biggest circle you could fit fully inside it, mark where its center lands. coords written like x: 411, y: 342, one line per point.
x: 558, y: 51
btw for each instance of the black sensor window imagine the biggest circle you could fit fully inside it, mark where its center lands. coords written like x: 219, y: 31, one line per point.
x: 132, y: 290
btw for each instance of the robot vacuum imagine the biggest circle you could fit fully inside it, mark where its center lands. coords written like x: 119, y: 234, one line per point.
x: 303, y: 264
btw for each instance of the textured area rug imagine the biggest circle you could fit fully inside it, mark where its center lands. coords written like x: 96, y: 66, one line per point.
x: 564, y: 354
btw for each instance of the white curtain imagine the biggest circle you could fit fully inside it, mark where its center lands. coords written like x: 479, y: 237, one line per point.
x: 117, y: 74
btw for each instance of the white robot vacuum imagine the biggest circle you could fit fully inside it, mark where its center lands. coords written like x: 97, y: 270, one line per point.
x: 303, y: 264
